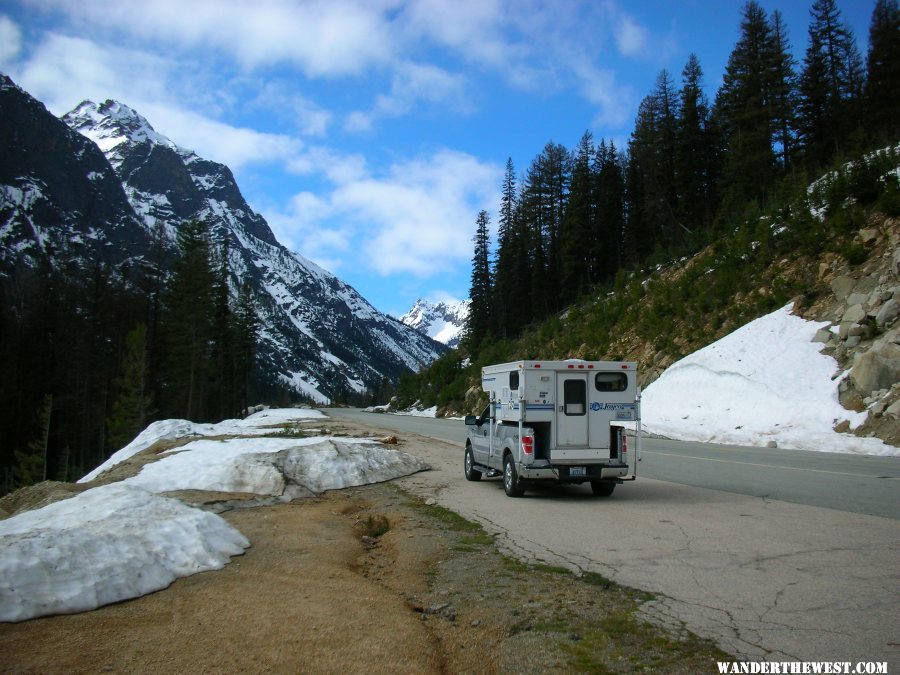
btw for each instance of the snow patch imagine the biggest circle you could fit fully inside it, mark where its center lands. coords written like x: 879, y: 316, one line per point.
x: 766, y: 381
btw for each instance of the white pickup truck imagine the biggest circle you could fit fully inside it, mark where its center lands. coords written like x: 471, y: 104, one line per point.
x: 555, y: 420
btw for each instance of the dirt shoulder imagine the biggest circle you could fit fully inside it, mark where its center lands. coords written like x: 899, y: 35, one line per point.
x: 369, y: 579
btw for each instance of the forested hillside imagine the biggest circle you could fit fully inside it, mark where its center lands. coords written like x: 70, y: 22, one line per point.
x: 705, y: 221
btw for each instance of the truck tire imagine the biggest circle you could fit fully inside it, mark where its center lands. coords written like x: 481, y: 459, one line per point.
x: 469, y: 465
x: 511, y: 483
x: 603, y: 488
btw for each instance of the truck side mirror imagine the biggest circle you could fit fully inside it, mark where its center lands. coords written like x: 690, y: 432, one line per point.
x: 471, y: 420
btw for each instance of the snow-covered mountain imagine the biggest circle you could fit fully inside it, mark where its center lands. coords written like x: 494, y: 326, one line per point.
x: 105, y: 190
x: 441, y: 321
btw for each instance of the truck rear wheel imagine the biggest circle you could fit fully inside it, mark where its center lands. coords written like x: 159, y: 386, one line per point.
x: 511, y: 483
x: 469, y: 465
x: 603, y: 488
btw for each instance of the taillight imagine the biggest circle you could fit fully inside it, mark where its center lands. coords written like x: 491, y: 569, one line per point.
x: 528, y: 445
x: 624, y: 444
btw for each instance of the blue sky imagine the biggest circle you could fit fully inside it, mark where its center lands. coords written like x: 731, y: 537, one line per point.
x: 370, y: 133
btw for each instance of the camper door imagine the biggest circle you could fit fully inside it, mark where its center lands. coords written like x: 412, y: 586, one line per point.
x: 572, y: 409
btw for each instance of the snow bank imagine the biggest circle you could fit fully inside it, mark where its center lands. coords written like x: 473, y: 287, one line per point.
x: 105, y: 545
x: 267, y: 466
x: 123, y: 540
x: 767, y: 381
x: 165, y: 430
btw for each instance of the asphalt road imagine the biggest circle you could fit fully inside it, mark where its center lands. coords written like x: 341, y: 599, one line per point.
x: 775, y: 554
x: 855, y: 483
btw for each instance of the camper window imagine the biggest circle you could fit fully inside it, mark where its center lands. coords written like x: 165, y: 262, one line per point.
x: 611, y: 381
x: 514, y: 380
x: 575, y: 397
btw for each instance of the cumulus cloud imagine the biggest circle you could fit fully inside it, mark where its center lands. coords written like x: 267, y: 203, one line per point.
x: 417, y: 217
x: 420, y: 216
x: 322, y: 37
x: 10, y: 41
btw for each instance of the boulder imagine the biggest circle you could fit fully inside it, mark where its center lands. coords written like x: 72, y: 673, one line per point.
x: 823, y: 335
x: 857, y: 299
x: 878, y: 368
x: 895, y: 263
x: 842, y: 287
x: 888, y: 313
x: 868, y: 235
x: 854, y: 314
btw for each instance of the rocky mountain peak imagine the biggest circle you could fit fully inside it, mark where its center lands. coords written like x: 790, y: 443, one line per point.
x: 441, y: 321
x: 111, y: 123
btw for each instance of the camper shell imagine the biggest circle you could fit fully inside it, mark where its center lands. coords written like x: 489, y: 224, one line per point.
x: 555, y: 420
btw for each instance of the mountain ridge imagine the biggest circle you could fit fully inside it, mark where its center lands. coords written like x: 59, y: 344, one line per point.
x: 319, y: 337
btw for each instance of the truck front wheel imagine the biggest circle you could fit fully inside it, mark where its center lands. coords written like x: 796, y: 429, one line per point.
x: 603, y: 488
x: 469, y: 465
x: 511, y: 483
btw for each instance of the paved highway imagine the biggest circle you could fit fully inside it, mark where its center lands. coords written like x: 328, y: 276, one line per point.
x: 854, y: 483
x: 734, y: 542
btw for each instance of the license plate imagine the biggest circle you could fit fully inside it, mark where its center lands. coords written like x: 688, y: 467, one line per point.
x: 578, y: 471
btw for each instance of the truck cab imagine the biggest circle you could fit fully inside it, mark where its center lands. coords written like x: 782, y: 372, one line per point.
x: 555, y: 420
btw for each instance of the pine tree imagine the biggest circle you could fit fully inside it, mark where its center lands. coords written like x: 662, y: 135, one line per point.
x: 246, y: 327
x: 782, y: 93
x: 744, y: 115
x: 578, y: 225
x: 31, y: 463
x: 830, y: 86
x: 609, y: 226
x: 506, y: 243
x: 133, y: 405
x: 221, y: 387
x: 480, y: 291
x: 882, y: 90
x: 692, y: 155
x: 188, y: 324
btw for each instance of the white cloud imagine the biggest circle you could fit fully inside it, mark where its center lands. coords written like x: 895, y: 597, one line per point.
x: 10, y: 41
x: 419, y: 218
x: 322, y: 37
x: 411, y: 83
x: 631, y: 38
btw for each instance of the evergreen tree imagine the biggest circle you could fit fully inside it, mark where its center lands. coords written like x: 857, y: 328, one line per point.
x: 133, y: 405
x: 480, y: 310
x: 543, y: 204
x: 882, y: 90
x: 609, y: 226
x: 31, y: 463
x: 188, y: 324
x: 782, y: 93
x: 830, y: 86
x: 504, y: 276
x: 744, y: 114
x: 221, y: 387
x: 246, y: 327
x: 578, y: 225
x: 692, y: 155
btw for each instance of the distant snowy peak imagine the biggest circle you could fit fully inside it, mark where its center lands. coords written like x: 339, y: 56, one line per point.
x: 442, y: 321
x: 111, y: 123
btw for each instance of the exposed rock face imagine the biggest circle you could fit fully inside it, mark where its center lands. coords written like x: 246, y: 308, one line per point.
x: 865, y: 333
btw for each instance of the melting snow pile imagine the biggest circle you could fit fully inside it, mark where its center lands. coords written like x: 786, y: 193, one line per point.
x: 124, y: 540
x: 765, y: 382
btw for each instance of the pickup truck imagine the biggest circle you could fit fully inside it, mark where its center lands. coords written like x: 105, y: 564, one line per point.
x: 556, y: 421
